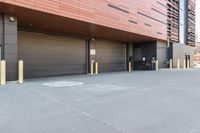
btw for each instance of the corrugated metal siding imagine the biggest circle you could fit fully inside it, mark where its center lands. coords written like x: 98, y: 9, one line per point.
x: 46, y: 55
x: 110, y: 56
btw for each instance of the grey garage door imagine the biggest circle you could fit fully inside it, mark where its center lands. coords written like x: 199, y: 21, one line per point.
x: 46, y: 55
x: 110, y: 55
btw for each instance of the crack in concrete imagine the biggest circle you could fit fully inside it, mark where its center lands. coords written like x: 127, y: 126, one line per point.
x: 80, y: 111
x: 13, y: 117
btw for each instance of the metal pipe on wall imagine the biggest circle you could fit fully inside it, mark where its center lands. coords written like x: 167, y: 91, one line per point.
x: 3, y: 37
x: 87, y: 56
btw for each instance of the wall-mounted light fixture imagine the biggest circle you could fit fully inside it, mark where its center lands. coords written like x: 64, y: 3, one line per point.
x: 93, y: 39
x: 44, y: 16
x: 12, y: 19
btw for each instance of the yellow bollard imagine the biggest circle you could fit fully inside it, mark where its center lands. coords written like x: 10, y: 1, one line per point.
x: 178, y: 64
x: 3, y: 72
x: 21, y: 71
x: 96, y: 68
x: 129, y: 67
x: 184, y: 64
x: 171, y: 64
x: 92, y: 68
x: 156, y: 65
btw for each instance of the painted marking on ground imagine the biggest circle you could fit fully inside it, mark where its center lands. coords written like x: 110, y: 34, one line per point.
x: 62, y: 84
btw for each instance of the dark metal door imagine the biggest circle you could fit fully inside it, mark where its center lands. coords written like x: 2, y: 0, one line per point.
x: 46, y: 55
x: 111, y: 56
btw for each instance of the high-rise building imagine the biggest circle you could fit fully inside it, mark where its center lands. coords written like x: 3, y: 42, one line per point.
x: 62, y: 37
x: 181, y: 30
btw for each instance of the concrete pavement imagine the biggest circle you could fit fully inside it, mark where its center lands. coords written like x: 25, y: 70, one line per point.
x: 137, y: 102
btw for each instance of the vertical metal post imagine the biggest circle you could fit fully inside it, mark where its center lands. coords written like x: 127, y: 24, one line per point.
x: 188, y: 64
x: 20, y: 72
x: 3, y: 72
x: 178, y: 64
x: 92, y: 68
x: 129, y: 67
x: 156, y: 65
x: 96, y: 68
x: 184, y: 64
x: 171, y: 64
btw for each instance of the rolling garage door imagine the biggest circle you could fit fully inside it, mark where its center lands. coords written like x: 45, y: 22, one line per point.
x: 110, y: 55
x: 46, y: 55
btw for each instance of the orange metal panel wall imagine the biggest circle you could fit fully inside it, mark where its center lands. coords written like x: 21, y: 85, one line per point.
x: 147, y: 17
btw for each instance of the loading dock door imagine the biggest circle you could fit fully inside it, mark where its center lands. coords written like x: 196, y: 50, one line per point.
x: 110, y: 56
x: 46, y: 55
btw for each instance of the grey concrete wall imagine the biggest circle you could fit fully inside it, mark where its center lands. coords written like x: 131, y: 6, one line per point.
x: 162, y: 54
x: 10, y: 45
x: 179, y: 52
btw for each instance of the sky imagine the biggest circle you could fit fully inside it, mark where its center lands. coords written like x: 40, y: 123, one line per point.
x: 198, y: 19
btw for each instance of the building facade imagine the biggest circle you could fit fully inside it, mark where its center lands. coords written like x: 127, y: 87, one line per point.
x: 62, y: 37
x: 181, y: 30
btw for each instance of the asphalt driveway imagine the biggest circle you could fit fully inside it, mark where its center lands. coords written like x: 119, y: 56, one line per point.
x: 137, y: 102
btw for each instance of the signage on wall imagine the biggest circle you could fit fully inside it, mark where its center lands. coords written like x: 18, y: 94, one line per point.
x: 92, y: 52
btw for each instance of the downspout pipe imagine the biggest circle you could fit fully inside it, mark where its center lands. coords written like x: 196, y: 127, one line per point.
x: 3, y: 38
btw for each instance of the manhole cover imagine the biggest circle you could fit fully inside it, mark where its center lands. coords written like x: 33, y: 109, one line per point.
x: 62, y: 84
